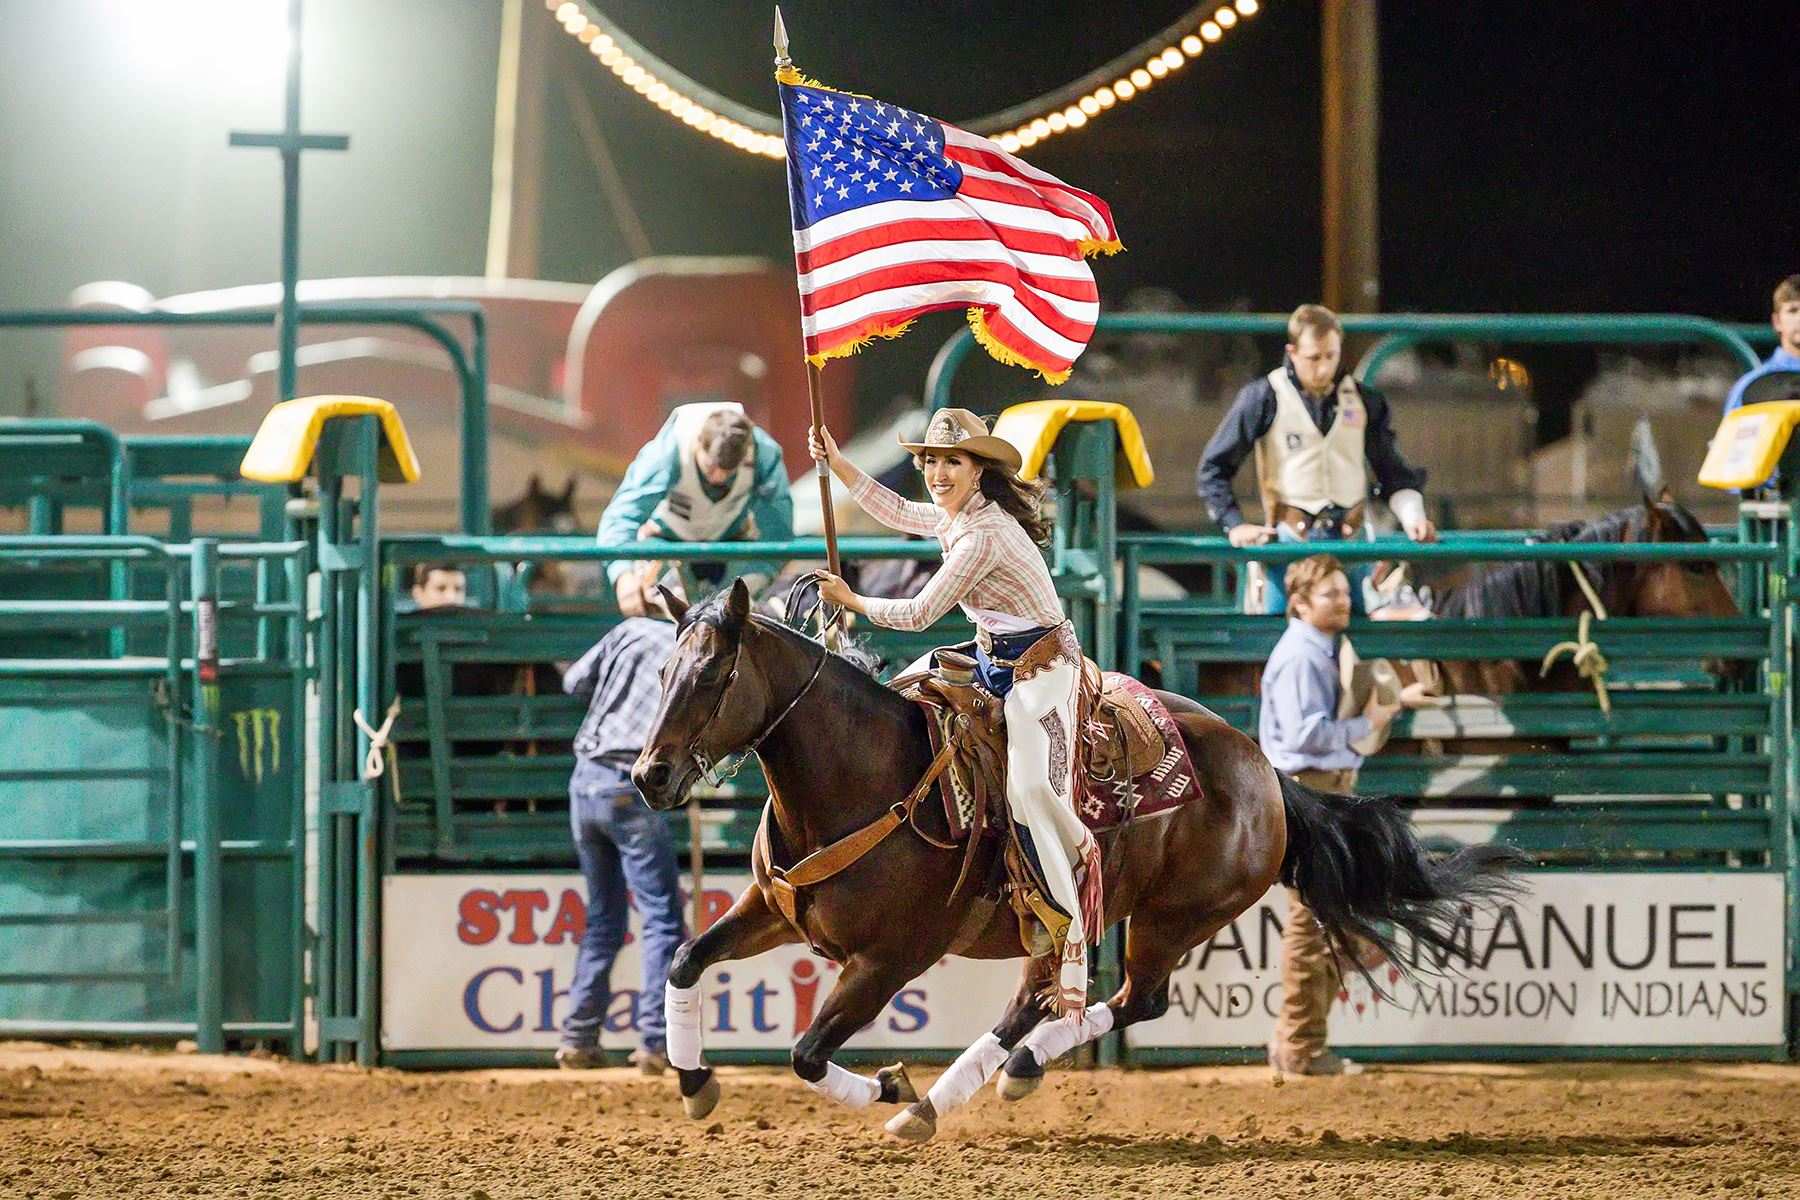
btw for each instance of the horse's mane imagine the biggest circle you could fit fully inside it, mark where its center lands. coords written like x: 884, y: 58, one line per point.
x: 856, y: 656
x: 1536, y: 589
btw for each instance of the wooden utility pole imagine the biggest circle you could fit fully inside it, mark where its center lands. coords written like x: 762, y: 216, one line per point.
x: 516, y: 197
x: 1350, y: 52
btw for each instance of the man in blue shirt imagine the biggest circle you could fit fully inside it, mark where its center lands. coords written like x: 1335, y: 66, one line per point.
x: 1302, y: 734
x: 709, y: 475
x: 1785, y: 317
x: 620, y: 843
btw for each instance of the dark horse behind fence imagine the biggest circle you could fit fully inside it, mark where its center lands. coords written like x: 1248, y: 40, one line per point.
x: 841, y: 752
x: 1499, y: 591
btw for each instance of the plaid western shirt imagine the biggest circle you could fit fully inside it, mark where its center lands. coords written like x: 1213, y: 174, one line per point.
x: 622, y: 676
x: 991, y: 566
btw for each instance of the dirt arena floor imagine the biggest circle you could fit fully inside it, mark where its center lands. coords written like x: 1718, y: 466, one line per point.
x: 80, y: 1123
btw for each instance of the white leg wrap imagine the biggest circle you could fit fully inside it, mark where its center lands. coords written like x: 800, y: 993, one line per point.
x: 1053, y: 1039
x: 846, y: 1087
x: 681, y: 1009
x: 973, y: 1068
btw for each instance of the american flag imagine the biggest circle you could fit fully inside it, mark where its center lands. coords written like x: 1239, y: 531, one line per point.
x: 896, y: 214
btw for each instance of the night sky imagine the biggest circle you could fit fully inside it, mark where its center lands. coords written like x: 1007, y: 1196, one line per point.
x: 1573, y: 157
x: 1606, y: 157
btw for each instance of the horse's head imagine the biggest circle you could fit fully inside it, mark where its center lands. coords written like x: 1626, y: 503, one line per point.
x: 1691, y: 588
x: 714, y: 697
x: 539, y: 510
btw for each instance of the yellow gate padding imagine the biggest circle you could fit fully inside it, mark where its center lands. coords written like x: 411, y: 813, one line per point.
x: 1749, y: 443
x: 283, y: 449
x: 1033, y: 427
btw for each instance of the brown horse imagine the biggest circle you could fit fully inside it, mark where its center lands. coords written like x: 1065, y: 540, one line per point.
x: 841, y: 752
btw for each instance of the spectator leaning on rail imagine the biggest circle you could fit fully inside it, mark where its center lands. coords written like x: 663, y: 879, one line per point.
x: 1314, y: 728
x: 620, y: 843
x: 1785, y: 317
x: 1319, y: 436
x: 709, y: 475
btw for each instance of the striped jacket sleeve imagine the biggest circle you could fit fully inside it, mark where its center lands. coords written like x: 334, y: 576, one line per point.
x: 968, y: 562
x: 892, y: 509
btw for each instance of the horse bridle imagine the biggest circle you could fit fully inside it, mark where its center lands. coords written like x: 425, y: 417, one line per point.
x: 709, y: 770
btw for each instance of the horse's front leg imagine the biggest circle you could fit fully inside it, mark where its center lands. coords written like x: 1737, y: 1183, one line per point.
x: 752, y: 926
x: 862, y: 991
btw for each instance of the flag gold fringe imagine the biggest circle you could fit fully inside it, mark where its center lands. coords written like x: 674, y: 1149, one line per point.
x: 1009, y: 356
x: 791, y: 76
x: 1090, y: 246
x: 883, y: 332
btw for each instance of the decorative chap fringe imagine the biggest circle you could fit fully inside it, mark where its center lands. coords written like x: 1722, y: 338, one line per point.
x: 1093, y: 893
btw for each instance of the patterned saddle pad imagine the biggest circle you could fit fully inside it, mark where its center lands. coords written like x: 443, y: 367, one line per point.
x: 1133, y: 761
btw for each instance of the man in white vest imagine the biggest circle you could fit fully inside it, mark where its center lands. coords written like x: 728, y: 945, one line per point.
x: 1324, y: 443
x: 709, y: 475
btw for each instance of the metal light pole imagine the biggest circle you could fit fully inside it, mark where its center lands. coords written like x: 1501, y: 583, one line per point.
x: 290, y: 142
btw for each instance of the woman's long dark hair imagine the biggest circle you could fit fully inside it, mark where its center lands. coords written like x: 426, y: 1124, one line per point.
x: 1023, y: 501
x: 1020, y: 499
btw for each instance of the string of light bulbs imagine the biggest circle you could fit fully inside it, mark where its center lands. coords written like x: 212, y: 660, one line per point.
x: 1018, y: 128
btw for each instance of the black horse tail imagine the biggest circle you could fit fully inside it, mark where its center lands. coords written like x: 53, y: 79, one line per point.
x: 1358, y: 865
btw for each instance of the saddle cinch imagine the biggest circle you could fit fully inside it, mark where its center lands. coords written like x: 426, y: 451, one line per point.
x: 1131, y: 761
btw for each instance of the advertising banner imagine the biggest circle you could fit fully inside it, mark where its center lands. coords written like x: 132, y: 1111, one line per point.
x: 484, y: 961
x: 1623, y: 959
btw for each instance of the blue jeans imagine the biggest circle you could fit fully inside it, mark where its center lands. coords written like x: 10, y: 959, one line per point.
x: 621, y: 844
x: 1275, y: 595
x: 998, y: 679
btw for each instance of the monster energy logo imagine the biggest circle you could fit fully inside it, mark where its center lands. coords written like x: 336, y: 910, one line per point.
x: 257, y: 729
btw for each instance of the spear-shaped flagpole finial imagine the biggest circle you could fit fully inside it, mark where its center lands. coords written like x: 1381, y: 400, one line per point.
x: 781, y: 40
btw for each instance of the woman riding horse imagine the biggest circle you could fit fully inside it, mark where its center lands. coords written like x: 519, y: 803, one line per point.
x: 989, y: 523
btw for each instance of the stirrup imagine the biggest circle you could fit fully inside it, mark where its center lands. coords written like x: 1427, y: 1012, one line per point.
x: 1051, y: 926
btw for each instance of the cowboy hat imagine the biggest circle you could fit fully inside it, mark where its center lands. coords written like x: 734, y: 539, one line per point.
x: 1358, y: 680
x: 960, y: 429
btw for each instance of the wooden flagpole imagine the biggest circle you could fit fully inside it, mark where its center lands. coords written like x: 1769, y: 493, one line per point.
x: 812, y: 372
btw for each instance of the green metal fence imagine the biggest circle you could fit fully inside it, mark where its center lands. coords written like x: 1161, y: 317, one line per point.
x: 1396, y: 332
x: 147, y: 793
x: 1682, y: 773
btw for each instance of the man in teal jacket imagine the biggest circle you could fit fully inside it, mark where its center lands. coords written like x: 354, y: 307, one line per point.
x: 709, y: 475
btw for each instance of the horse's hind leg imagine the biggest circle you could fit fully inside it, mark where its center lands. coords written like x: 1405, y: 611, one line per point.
x: 1154, y: 943
x: 751, y: 927
x: 976, y: 1065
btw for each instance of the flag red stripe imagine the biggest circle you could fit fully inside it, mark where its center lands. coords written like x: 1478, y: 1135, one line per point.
x: 909, y: 274
x: 1029, y: 241
x: 821, y: 343
x: 994, y: 162
x: 1003, y: 331
x: 928, y: 269
x: 1010, y: 336
x: 1023, y: 195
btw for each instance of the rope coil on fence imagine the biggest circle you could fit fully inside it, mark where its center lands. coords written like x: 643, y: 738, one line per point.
x: 1584, y: 652
x: 380, y: 745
